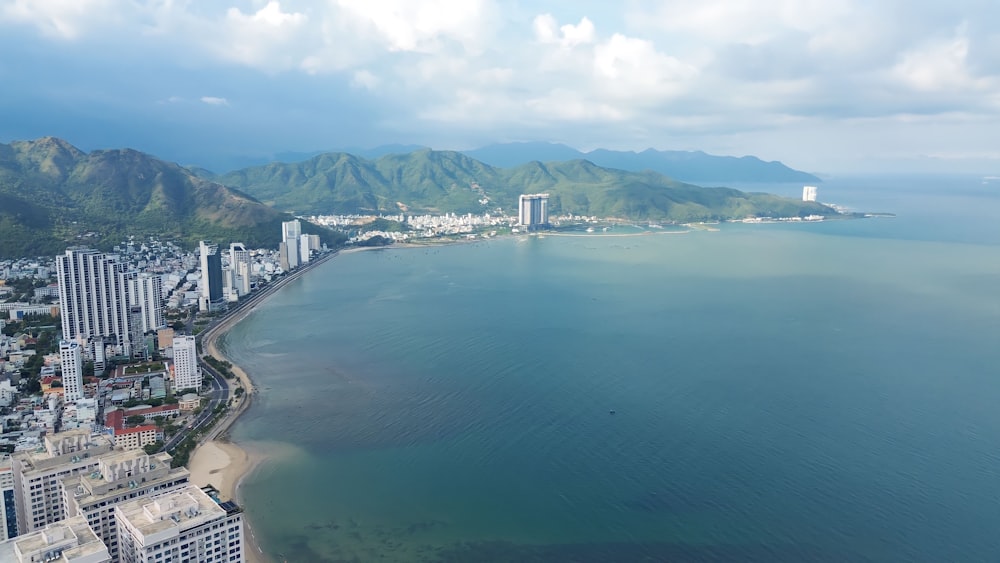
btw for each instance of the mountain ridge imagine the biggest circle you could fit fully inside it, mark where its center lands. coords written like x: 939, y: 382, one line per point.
x: 53, y: 195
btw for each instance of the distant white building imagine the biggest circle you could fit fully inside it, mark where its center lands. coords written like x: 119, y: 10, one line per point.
x: 808, y: 193
x: 533, y: 210
x: 239, y: 264
x: 186, y: 372
x: 183, y: 525
x: 146, y: 292
x: 71, y: 356
x: 291, y: 231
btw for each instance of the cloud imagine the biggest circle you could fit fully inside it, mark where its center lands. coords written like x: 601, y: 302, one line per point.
x: 214, y: 101
x: 60, y: 19
x: 364, y: 79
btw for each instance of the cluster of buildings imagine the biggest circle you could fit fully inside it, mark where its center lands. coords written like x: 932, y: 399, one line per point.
x: 77, y: 498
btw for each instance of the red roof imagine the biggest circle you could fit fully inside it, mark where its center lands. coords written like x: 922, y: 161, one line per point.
x: 115, y: 419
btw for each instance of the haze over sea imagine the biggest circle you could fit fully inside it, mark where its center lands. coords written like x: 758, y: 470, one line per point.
x: 786, y: 392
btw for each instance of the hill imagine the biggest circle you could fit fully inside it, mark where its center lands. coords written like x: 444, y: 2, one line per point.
x: 687, y: 166
x: 52, y: 195
x: 446, y: 181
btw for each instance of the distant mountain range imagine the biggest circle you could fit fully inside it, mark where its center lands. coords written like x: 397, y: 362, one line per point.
x: 447, y: 181
x: 52, y: 195
x: 687, y: 166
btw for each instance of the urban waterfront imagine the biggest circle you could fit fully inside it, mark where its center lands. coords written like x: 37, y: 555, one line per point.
x: 780, y: 393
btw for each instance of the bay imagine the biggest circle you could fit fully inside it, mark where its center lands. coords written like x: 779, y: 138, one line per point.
x: 787, y: 392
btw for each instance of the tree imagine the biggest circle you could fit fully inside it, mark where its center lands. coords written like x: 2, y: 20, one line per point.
x: 135, y: 419
x: 159, y: 419
x: 238, y: 392
x: 153, y: 448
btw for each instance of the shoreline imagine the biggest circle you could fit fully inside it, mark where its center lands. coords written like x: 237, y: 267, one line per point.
x: 217, y: 460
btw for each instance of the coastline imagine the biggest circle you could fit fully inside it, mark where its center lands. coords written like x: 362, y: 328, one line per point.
x: 217, y: 461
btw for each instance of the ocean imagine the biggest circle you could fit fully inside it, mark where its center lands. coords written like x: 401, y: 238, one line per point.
x: 776, y: 392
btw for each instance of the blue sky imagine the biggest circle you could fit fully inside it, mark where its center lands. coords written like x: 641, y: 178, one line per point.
x: 822, y: 85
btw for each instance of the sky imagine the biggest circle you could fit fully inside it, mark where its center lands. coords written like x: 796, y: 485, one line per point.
x: 827, y: 86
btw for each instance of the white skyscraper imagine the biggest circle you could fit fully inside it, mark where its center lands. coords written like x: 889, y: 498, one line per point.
x: 290, y: 233
x: 93, y: 300
x: 808, y: 193
x: 186, y: 372
x: 71, y: 356
x: 304, y: 251
x: 146, y: 292
x: 183, y: 525
x: 239, y: 263
x: 533, y: 210
x: 8, y: 507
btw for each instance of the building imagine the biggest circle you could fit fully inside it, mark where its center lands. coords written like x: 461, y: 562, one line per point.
x: 93, y: 300
x: 37, y: 474
x: 67, y: 541
x: 305, y: 252
x: 211, y: 298
x: 182, y: 525
x: 8, y: 506
x: 146, y: 292
x: 808, y: 193
x: 239, y: 263
x: 189, y: 402
x: 120, y: 477
x: 187, y: 375
x: 71, y: 355
x: 125, y: 438
x: 291, y: 231
x: 533, y: 211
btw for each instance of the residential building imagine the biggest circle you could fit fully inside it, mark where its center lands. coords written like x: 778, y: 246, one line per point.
x: 71, y: 356
x: 291, y: 231
x: 533, y: 210
x: 211, y: 277
x: 304, y: 249
x: 8, y: 506
x: 187, y: 375
x: 186, y: 525
x: 93, y: 300
x: 129, y: 438
x: 239, y: 263
x: 67, y: 541
x: 146, y: 292
x: 809, y: 193
x: 120, y: 477
x: 37, y: 474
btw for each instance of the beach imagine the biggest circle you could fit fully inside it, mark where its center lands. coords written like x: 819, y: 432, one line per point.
x: 217, y: 461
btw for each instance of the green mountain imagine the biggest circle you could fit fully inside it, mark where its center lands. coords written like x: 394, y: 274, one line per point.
x: 52, y: 195
x: 445, y: 181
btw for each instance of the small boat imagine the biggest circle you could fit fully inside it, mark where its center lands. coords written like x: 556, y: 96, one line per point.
x: 612, y: 411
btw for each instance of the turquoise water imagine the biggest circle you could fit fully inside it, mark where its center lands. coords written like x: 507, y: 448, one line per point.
x: 823, y: 392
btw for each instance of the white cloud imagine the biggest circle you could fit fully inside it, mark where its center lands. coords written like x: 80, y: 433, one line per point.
x: 214, y: 101
x: 63, y: 19
x: 940, y: 65
x: 406, y: 25
x: 364, y: 79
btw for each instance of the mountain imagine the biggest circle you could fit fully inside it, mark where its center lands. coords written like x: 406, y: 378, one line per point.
x: 427, y: 181
x: 687, y: 166
x: 52, y: 195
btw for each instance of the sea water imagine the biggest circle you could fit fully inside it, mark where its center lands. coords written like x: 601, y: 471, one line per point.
x: 785, y: 392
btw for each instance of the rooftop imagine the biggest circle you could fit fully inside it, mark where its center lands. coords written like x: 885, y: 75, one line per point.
x: 158, y: 518
x: 64, y: 541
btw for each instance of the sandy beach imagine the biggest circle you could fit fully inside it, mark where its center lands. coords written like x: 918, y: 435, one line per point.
x: 221, y: 463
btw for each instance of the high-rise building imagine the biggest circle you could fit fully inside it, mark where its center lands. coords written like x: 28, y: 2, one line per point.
x: 533, y: 210
x: 211, y: 277
x: 8, y: 507
x: 146, y: 291
x: 290, y: 233
x: 304, y: 248
x: 93, y: 300
x: 183, y: 525
x: 71, y: 357
x: 239, y: 263
x: 66, y: 541
x: 808, y: 193
x: 186, y: 372
x: 120, y: 477
x: 37, y: 494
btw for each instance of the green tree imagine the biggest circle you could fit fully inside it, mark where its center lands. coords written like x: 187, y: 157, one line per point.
x: 135, y: 419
